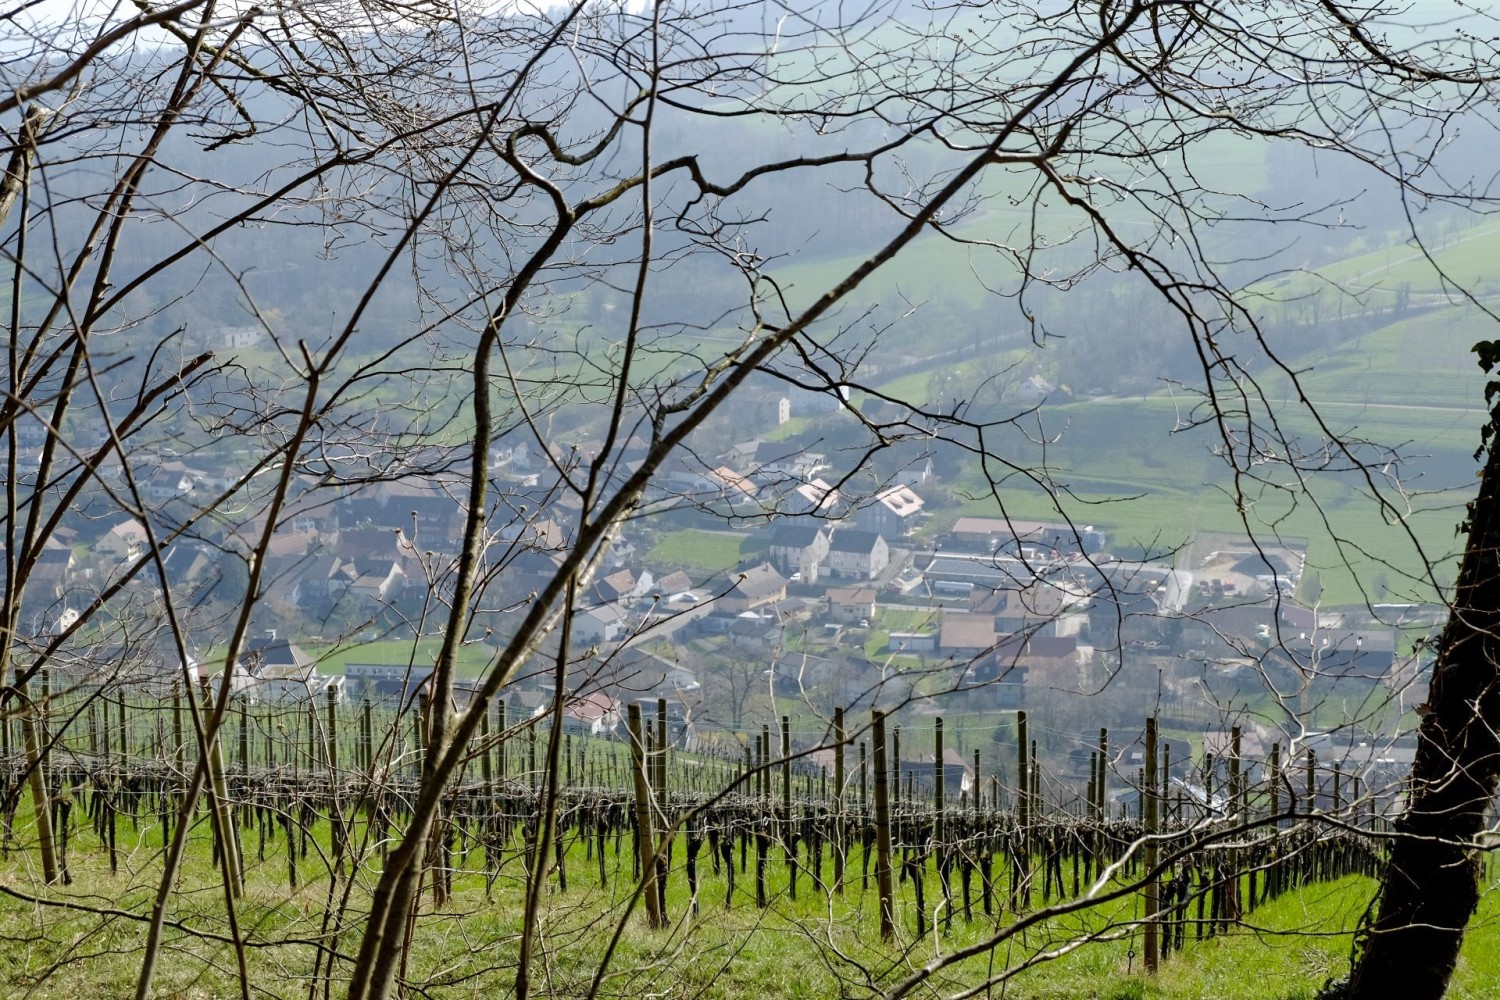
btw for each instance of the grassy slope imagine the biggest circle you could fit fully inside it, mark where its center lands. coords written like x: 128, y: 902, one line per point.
x: 819, y: 945
x: 1411, y: 384
x: 691, y: 549
x: 472, y: 659
x: 1465, y: 256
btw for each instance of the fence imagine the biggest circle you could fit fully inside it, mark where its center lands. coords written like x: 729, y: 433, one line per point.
x: 293, y: 777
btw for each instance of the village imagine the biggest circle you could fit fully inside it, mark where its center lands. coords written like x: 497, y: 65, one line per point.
x: 824, y: 597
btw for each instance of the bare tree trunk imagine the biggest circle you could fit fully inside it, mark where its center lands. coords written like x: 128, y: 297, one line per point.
x: 1430, y: 886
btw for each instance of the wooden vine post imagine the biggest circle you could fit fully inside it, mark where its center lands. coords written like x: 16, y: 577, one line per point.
x: 1151, y: 889
x: 335, y: 805
x: 663, y: 855
x: 1023, y: 813
x: 840, y: 842
x: 228, y: 834
x: 1101, y: 801
x: 788, y: 828
x: 1276, y: 781
x: 36, y: 779
x: 939, y: 839
x: 883, y: 829
x: 644, y: 839
x: 1237, y: 817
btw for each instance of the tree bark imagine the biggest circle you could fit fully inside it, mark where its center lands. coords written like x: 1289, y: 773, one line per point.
x: 1430, y: 886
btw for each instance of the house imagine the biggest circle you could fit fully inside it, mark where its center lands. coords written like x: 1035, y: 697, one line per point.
x: 429, y: 508
x: 753, y: 588
x: 522, y: 531
x: 1010, y: 535
x: 719, y: 489
x: 170, y: 479
x: 594, y: 713
x: 741, y: 454
x: 270, y: 651
x: 323, y: 579
x: 754, y: 634
x: 959, y: 576
x: 599, y: 624
x: 50, y: 572
x: 965, y: 635
x: 1126, y: 603
x: 893, y: 512
x: 374, y: 561
x: 1052, y: 661
x: 273, y: 669
x: 858, y: 555
x: 904, y: 460
x: 851, y: 605
x: 1034, y: 610
x: 528, y: 571
x: 249, y: 532
x: 123, y: 543
x: 734, y: 491
x: 987, y: 534
x: 673, y: 583
x: 958, y: 774
x: 1346, y: 654
x: 815, y: 500
x: 622, y: 585
x: 379, y: 581
x: 1233, y: 627
x: 1001, y: 674
x: 515, y: 455
x: 302, y: 516
x: 775, y: 460
x: 289, y: 683
x: 236, y: 337
x: 925, y: 641
x: 799, y: 549
x: 628, y: 672
x: 1034, y: 390
x: 384, y: 681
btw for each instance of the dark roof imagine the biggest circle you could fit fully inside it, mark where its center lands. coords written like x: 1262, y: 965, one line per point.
x: 768, y: 452
x: 796, y: 536
x: 758, y: 581
x: 846, y: 540
x: 1262, y: 563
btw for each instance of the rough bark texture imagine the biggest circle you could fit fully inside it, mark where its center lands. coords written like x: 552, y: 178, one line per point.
x: 1431, y: 883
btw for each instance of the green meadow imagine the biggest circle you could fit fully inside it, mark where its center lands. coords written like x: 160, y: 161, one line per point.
x: 817, y: 943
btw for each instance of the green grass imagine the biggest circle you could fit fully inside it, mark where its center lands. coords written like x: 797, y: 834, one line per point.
x: 705, y: 551
x: 1466, y: 255
x: 85, y: 940
x: 902, y: 620
x: 472, y: 659
x: 1131, y: 468
x: 785, y: 951
x: 887, y: 620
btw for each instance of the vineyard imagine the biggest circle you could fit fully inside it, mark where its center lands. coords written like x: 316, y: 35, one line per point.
x: 312, y: 796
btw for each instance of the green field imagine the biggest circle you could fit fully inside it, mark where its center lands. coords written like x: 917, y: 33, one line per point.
x: 820, y: 944
x: 472, y: 658
x: 703, y: 551
x: 307, y: 894
x: 1127, y: 467
x: 1466, y: 255
x: 1372, y: 351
